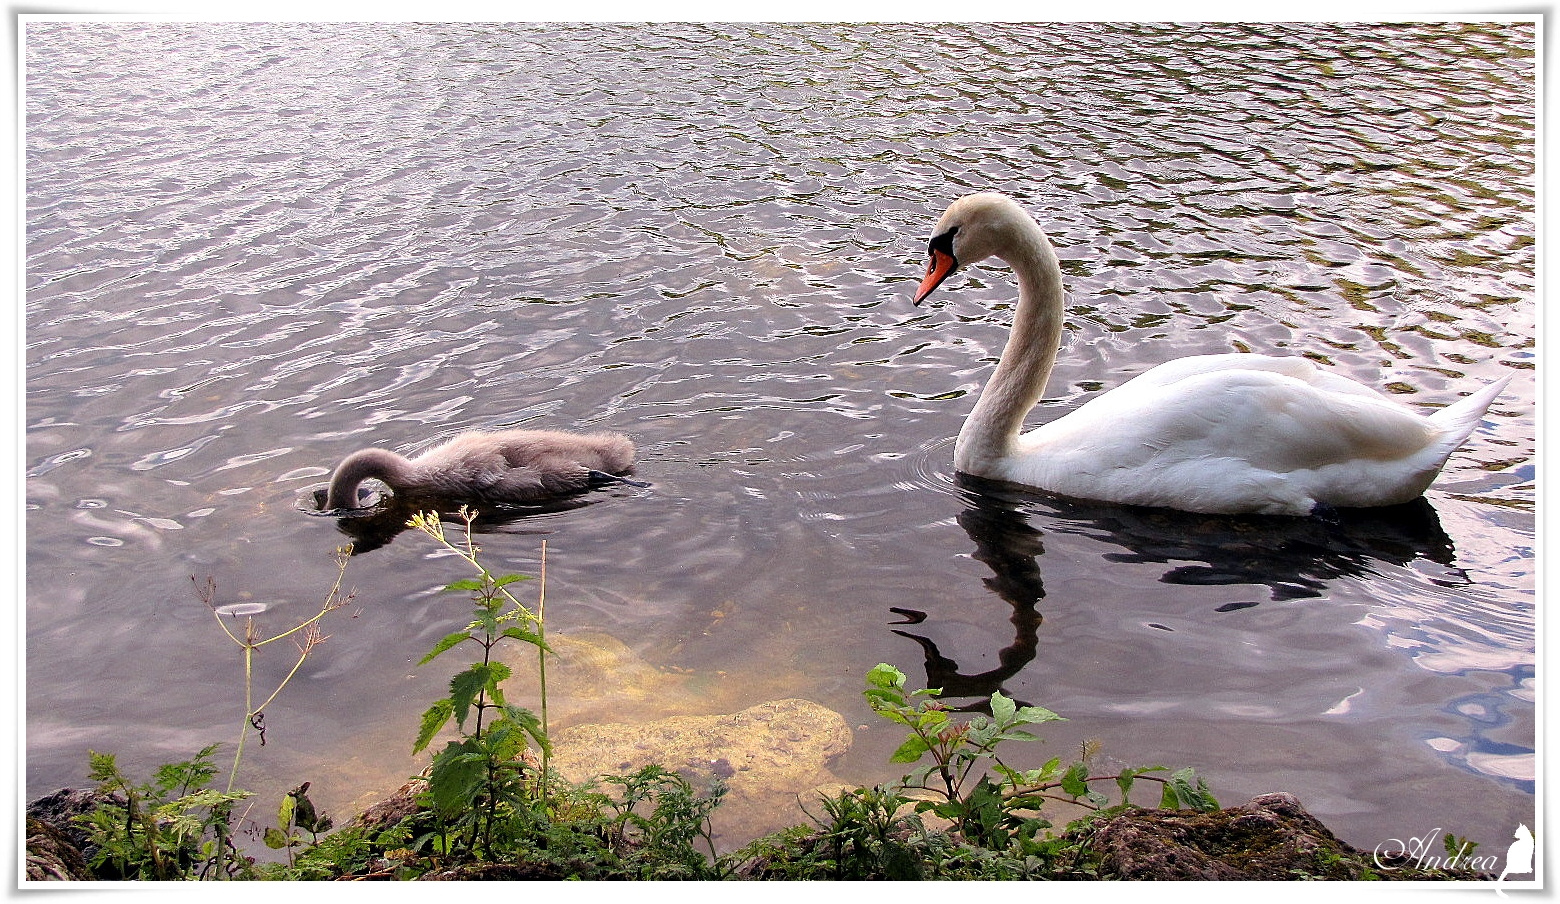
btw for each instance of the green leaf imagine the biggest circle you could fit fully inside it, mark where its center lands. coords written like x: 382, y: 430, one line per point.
x: 983, y: 814
x: 882, y: 700
x: 1073, y: 782
x: 509, y: 579
x: 433, y: 721
x: 1034, y: 715
x: 275, y: 840
x: 449, y: 642
x: 176, y: 779
x: 1002, y: 708
x: 931, y: 721
x: 497, y: 672
x: 465, y: 687
x: 101, y: 767
x: 532, y: 726
x: 464, y: 585
x: 456, y: 777
x: 522, y: 634
x: 886, y: 676
x: 504, y: 741
x: 980, y: 731
x: 1127, y: 778
x: 1180, y: 793
x: 911, y: 750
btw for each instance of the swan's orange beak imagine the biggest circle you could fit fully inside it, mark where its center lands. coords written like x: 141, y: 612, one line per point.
x: 939, y: 268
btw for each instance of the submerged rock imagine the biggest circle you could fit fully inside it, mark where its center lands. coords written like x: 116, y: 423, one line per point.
x: 596, y: 677
x: 769, y: 756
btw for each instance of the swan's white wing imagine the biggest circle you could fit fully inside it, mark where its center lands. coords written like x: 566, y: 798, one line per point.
x: 1302, y: 369
x: 1207, y: 436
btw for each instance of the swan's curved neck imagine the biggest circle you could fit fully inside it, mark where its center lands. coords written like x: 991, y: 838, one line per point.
x: 389, y: 467
x: 991, y: 431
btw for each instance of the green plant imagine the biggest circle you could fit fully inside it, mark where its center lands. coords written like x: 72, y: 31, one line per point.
x: 674, y: 820
x: 1458, y: 848
x: 997, y: 814
x: 295, y: 816
x: 172, y: 827
x: 480, y: 781
x: 489, y: 798
x: 862, y: 836
x: 344, y: 852
x: 175, y: 826
x: 993, y: 809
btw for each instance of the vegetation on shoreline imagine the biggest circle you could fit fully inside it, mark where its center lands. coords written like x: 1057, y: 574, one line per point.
x: 489, y: 804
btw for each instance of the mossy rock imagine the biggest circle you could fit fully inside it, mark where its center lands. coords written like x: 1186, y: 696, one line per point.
x: 768, y: 755
x: 1271, y: 837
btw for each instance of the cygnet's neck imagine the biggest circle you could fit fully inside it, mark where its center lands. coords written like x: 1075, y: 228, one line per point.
x: 379, y: 464
x: 991, y: 431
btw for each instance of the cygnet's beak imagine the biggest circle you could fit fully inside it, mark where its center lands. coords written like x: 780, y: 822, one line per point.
x: 938, y: 268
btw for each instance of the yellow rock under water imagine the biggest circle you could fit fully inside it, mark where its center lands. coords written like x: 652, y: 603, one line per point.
x: 773, y: 757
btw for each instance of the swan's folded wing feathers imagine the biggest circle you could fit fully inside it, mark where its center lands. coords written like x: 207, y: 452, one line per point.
x: 1280, y: 423
x: 1272, y: 421
x: 1296, y: 368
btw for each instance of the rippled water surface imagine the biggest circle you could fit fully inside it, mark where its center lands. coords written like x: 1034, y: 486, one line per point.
x: 255, y: 248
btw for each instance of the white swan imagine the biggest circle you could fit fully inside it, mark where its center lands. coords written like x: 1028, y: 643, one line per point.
x: 1234, y: 433
x: 501, y: 466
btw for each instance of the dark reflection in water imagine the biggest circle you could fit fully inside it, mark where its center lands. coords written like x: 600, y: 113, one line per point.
x: 1294, y: 557
x: 1011, y: 548
x: 380, y: 518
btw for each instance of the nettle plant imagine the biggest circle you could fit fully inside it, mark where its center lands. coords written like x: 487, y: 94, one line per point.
x: 482, y: 780
x: 989, y: 801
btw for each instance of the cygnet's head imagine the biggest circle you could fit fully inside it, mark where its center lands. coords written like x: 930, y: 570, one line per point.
x: 972, y: 229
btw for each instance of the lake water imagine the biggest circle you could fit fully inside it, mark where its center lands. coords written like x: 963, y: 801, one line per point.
x: 254, y: 248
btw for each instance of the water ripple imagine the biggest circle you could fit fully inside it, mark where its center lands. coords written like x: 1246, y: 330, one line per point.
x: 255, y: 247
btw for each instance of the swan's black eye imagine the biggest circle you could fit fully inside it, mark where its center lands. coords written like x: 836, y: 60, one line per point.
x: 942, y: 241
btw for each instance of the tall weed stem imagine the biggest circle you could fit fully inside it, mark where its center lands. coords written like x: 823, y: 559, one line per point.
x: 309, y: 636
x: 306, y: 636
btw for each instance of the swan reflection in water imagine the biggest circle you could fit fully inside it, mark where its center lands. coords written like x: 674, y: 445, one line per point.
x: 1293, y: 557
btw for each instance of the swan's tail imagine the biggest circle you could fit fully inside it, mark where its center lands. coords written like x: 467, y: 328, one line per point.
x: 1458, y: 420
